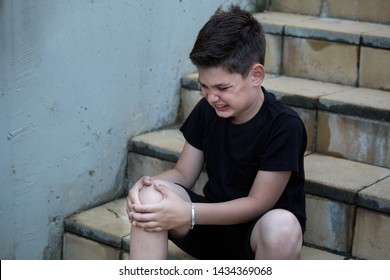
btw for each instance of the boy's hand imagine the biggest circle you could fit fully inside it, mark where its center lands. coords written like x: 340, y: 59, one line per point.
x: 171, y: 212
x: 133, y: 197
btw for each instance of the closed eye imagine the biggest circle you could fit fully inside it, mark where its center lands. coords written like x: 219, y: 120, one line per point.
x: 222, y: 88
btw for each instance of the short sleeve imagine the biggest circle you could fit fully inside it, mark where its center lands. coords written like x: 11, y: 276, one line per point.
x: 193, y: 126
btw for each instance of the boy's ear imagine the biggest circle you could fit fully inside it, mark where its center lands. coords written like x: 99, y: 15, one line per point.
x: 257, y: 74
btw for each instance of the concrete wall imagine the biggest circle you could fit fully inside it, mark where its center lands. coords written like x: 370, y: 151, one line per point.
x: 78, y: 78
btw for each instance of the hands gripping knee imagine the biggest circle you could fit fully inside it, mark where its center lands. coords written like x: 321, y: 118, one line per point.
x: 142, y: 193
x: 147, y: 211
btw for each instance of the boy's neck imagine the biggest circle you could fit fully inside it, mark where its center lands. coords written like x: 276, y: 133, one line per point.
x: 254, y: 109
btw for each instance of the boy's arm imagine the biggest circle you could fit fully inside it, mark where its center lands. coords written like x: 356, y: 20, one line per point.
x: 187, y: 168
x: 265, y: 192
x: 185, y: 172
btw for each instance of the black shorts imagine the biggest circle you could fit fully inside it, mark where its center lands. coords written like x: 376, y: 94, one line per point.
x: 216, y: 242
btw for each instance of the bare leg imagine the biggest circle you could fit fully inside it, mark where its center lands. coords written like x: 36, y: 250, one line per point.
x: 148, y: 245
x: 277, y: 235
x: 153, y: 245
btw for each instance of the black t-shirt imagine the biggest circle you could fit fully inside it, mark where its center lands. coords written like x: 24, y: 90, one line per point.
x: 273, y: 140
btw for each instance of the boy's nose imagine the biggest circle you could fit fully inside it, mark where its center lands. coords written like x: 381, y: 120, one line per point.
x: 212, y: 97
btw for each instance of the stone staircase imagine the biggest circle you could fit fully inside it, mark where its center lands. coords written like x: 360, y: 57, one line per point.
x: 330, y: 61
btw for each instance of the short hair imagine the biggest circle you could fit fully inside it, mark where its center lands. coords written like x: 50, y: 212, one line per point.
x: 231, y: 39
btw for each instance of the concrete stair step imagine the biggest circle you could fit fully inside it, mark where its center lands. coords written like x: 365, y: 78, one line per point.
x: 377, y: 11
x: 327, y: 49
x: 155, y: 152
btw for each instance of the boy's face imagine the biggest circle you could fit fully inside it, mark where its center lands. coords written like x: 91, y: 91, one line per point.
x: 231, y: 95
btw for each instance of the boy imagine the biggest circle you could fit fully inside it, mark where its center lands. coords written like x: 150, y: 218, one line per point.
x: 252, y: 146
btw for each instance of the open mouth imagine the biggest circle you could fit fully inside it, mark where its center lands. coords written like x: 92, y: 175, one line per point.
x: 221, y: 107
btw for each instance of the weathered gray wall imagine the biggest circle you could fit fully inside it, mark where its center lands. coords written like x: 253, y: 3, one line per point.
x: 78, y: 78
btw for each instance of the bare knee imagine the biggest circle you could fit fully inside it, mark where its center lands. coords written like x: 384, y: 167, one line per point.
x: 277, y: 235
x: 148, y: 195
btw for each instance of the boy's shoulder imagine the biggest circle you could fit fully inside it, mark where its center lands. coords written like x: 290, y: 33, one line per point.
x: 276, y: 105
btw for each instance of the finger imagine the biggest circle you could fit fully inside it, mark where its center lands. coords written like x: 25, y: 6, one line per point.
x: 134, y: 190
x: 164, y: 190
x: 148, y: 226
x: 133, y: 196
x: 143, y: 217
x: 146, y: 180
x: 146, y: 208
x: 129, y: 205
x: 129, y: 215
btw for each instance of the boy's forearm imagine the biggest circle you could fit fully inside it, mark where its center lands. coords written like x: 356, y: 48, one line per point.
x: 173, y: 175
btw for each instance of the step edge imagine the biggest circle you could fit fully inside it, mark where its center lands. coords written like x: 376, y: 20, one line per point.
x: 323, y: 101
x: 320, y: 28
